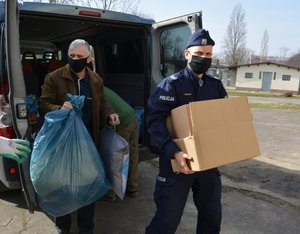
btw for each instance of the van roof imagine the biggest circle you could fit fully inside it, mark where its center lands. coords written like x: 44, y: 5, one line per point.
x: 72, y: 10
x: 58, y: 23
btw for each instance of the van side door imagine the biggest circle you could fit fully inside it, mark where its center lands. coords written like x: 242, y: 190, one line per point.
x: 169, y: 39
x: 17, y: 92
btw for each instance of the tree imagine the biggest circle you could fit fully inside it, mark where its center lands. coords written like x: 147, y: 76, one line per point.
x: 62, y: 1
x: 294, y: 61
x: 234, y: 45
x: 103, y: 4
x: 283, y: 53
x: 127, y: 6
x: 264, y: 46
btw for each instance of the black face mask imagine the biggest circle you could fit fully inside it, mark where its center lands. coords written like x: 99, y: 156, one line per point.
x: 200, y: 65
x: 77, y: 65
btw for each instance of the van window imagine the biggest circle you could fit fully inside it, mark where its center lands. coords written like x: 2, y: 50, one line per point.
x: 173, y: 42
x: 124, y: 57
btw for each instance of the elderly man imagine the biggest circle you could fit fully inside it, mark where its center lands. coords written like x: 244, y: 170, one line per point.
x: 76, y: 78
x: 172, y: 189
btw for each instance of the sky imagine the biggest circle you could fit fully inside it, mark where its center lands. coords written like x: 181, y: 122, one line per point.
x: 279, y: 18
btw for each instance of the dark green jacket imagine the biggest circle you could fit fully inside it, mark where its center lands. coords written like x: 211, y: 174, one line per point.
x: 59, y: 82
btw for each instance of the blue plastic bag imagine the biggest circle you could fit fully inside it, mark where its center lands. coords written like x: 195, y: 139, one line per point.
x: 65, y: 167
x: 139, y: 111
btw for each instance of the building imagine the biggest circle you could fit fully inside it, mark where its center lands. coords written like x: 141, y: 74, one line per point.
x: 268, y: 77
x: 226, y: 74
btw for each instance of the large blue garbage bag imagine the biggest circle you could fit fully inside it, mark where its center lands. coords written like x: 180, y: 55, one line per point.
x: 65, y: 167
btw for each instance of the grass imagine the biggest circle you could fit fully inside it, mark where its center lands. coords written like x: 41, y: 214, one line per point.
x: 282, y: 106
x: 289, y: 106
x: 257, y: 94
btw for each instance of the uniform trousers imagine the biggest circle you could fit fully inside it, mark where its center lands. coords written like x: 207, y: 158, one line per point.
x: 130, y: 134
x: 171, y: 194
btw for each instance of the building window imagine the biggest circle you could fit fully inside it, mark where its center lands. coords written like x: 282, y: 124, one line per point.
x: 260, y: 75
x: 274, y: 76
x: 248, y: 75
x: 286, y: 77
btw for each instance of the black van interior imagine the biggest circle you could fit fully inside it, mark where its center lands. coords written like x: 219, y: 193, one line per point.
x: 120, y: 51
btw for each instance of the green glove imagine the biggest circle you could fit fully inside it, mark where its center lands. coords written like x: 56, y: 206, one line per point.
x: 15, y: 149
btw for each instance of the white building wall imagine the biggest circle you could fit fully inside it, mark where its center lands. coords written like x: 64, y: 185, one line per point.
x: 277, y: 83
x: 291, y: 85
x: 242, y: 82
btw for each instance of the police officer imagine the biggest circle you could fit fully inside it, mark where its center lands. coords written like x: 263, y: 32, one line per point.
x: 171, y: 190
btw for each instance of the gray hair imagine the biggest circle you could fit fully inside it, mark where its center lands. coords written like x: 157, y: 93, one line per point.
x: 79, y: 42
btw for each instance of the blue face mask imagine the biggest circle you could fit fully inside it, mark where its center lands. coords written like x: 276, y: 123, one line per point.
x: 200, y: 65
x: 77, y: 65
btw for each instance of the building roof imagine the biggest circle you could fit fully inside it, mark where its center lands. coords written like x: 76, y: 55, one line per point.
x: 269, y: 63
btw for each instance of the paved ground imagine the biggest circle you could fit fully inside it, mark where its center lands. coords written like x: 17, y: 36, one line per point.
x: 260, y: 196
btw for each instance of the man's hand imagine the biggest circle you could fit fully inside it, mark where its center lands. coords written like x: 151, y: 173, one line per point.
x: 181, y: 159
x: 114, y: 119
x: 15, y: 149
x: 67, y: 105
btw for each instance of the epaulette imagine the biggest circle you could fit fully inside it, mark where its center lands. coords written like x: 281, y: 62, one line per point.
x: 173, y: 77
x: 213, y: 77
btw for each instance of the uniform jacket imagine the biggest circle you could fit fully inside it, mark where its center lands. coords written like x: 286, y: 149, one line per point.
x: 60, y: 82
x: 176, y: 90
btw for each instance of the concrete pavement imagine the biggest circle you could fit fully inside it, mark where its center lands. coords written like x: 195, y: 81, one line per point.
x: 260, y: 195
x: 246, y: 209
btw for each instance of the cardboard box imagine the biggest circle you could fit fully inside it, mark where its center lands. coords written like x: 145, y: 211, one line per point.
x: 214, y: 132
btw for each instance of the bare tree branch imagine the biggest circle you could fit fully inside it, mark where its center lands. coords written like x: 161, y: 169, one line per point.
x: 294, y: 60
x: 62, y: 1
x: 234, y: 45
x: 127, y: 6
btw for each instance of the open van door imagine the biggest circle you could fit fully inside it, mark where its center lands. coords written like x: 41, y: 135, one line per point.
x: 169, y: 39
x: 17, y: 91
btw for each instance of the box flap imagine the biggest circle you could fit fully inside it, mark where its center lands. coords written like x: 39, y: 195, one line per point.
x: 181, y: 122
x: 188, y: 146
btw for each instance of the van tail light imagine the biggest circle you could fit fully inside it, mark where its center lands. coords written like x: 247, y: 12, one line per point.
x: 4, y: 88
x: 12, y: 170
x: 90, y: 13
x: 7, y: 132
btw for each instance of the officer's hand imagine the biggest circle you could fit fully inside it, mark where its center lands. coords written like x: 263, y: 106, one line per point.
x: 15, y: 149
x: 114, y: 119
x: 181, y: 159
x: 67, y: 105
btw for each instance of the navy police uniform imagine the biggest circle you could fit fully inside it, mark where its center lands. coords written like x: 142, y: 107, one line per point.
x: 171, y: 190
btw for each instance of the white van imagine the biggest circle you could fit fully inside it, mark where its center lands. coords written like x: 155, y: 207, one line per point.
x: 132, y: 55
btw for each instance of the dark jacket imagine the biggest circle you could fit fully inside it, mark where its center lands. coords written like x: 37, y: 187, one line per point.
x: 59, y: 82
x: 173, y: 91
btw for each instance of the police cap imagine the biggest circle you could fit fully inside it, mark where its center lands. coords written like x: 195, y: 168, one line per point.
x: 200, y: 38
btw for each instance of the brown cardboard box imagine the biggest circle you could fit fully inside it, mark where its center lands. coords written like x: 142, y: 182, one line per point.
x: 214, y: 132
